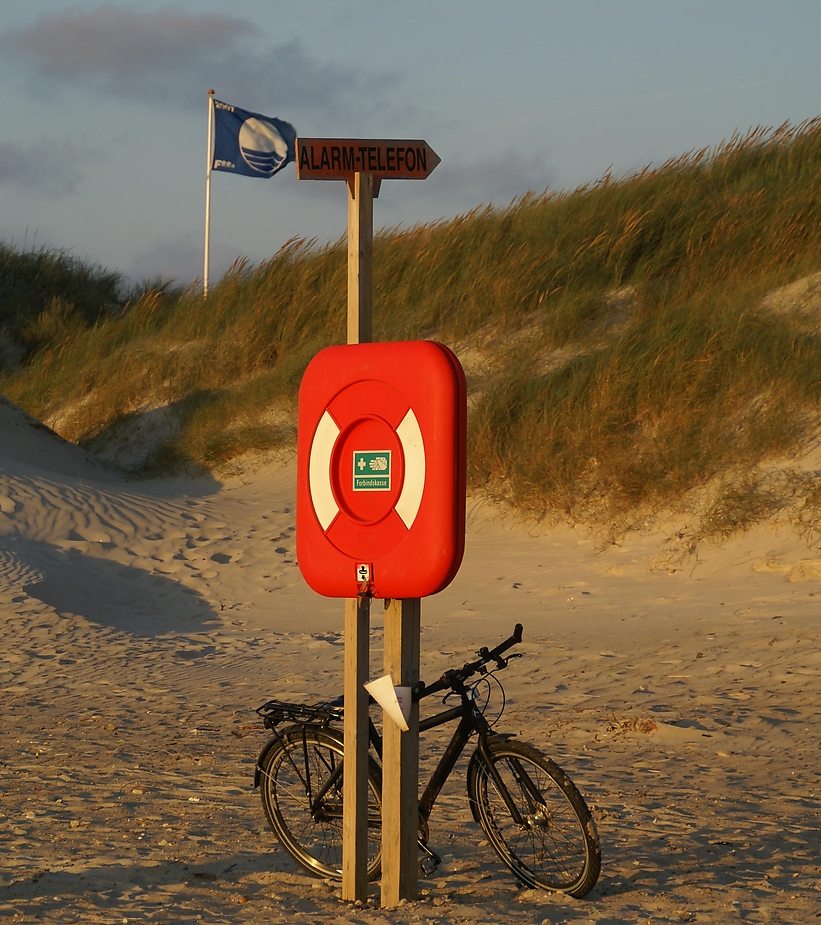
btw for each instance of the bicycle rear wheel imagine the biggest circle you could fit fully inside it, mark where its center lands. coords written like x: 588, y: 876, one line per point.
x: 301, y: 789
x: 554, y: 844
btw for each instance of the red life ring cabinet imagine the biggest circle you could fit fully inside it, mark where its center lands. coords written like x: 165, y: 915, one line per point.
x: 381, y: 469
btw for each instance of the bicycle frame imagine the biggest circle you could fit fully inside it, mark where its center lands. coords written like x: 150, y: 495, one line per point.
x: 470, y: 721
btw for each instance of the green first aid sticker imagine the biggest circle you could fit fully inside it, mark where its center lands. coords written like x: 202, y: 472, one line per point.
x: 371, y: 470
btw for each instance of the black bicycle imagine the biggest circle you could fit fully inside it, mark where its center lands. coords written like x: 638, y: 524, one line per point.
x: 531, y: 812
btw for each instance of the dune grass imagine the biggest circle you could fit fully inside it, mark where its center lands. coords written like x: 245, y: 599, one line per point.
x: 622, y: 353
x: 47, y: 296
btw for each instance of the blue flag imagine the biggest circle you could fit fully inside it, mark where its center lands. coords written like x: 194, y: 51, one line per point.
x: 249, y: 143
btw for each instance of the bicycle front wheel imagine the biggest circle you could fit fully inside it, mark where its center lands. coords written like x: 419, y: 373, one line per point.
x: 301, y: 789
x: 535, y: 818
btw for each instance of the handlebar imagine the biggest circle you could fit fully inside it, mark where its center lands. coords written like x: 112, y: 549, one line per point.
x: 454, y: 678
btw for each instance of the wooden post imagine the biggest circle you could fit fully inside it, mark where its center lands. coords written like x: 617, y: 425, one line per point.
x: 360, y: 259
x: 355, y: 782
x: 400, y: 759
x: 357, y: 610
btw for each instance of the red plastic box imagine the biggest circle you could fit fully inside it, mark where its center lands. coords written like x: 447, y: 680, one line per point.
x: 381, y: 470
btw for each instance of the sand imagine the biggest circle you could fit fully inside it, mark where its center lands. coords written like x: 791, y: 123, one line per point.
x: 144, y: 621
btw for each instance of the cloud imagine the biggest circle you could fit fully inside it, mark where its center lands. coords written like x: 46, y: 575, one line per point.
x: 119, y: 43
x: 461, y: 183
x: 171, y: 56
x: 46, y: 168
x: 498, y: 179
x: 177, y: 258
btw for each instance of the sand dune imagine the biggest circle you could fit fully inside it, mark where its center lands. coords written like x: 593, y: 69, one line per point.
x: 143, y: 622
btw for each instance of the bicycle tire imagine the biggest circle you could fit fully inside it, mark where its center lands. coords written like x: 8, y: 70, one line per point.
x: 557, y: 846
x: 314, y: 838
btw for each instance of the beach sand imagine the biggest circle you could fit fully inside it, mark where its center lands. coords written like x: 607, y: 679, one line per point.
x: 144, y: 621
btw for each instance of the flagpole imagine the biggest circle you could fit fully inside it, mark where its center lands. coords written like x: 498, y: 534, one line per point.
x: 208, y: 159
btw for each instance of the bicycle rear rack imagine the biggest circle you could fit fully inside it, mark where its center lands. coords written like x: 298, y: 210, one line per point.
x: 274, y: 712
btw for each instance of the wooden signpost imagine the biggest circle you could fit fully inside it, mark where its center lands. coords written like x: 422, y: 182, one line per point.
x: 343, y: 158
x: 357, y: 610
x: 363, y: 164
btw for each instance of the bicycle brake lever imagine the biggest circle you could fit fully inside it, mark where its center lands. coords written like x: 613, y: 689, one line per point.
x: 502, y: 662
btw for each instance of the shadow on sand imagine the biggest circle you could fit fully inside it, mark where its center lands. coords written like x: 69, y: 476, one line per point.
x: 123, y: 597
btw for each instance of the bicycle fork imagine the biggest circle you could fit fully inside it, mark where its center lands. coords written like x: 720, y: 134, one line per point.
x: 521, y: 777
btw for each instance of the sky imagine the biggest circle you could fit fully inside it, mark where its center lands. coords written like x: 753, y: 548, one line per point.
x: 104, y: 108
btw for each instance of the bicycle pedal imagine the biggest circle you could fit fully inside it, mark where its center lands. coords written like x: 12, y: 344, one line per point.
x: 429, y: 862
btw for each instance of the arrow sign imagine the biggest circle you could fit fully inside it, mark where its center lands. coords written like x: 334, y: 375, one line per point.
x: 341, y: 158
